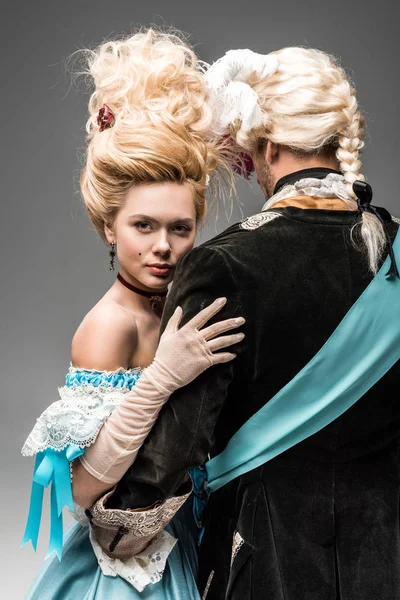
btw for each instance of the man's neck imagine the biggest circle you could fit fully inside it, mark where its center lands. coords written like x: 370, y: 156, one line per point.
x: 290, y: 163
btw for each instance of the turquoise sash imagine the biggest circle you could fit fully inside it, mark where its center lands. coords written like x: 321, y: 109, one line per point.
x: 364, y: 346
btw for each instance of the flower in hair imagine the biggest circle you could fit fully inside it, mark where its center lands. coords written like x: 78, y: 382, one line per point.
x: 241, y: 162
x: 244, y: 166
x: 105, y: 118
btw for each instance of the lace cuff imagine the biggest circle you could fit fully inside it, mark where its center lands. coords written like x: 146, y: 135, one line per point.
x: 146, y: 567
x: 125, y: 533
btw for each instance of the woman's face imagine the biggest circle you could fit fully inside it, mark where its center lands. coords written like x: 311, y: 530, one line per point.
x: 152, y: 230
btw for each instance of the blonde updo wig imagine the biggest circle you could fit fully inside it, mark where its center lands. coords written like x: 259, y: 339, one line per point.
x: 153, y: 84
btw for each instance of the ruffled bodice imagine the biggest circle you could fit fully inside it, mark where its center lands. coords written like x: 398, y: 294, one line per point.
x: 86, y: 400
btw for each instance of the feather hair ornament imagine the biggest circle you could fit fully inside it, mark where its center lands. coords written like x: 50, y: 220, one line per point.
x: 230, y: 96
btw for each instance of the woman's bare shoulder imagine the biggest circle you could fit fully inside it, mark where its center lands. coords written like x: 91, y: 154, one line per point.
x: 106, y: 339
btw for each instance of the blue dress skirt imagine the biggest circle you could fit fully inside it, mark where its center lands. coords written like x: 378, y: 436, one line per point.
x: 79, y: 577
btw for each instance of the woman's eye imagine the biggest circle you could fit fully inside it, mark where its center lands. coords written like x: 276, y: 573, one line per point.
x: 182, y: 229
x: 142, y: 226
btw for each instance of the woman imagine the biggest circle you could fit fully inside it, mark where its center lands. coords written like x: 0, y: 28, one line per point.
x: 148, y: 162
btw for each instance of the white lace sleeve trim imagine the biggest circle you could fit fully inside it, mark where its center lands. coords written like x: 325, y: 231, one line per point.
x: 146, y: 567
x: 74, y: 419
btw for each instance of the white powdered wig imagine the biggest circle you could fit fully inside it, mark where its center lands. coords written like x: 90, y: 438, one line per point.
x: 300, y: 98
x: 232, y: 98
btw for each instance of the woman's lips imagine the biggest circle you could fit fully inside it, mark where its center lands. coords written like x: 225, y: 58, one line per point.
x: 160, y: 270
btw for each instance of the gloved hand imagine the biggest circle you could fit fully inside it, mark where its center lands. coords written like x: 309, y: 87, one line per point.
x: 181, y: 356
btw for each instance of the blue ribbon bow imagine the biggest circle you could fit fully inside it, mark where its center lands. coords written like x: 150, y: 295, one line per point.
x: 51, y: 467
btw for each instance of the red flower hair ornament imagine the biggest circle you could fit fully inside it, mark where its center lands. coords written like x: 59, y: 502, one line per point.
x: 243, y: 163
x: 244, y: 166
x: 105, y: 118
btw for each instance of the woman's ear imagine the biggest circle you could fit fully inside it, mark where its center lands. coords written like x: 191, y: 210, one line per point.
x: 109, y: 233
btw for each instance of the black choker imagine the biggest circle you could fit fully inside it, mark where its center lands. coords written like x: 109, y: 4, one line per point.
x: 155, y: 297
x: 317, y: 172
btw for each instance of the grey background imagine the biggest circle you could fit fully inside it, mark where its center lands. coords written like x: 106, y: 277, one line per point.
x: 53, y: 267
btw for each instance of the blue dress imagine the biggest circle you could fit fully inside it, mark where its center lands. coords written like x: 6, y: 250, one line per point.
x: 86, y: 400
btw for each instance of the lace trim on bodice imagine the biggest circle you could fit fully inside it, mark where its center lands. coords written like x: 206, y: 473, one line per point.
x: 86, y: 400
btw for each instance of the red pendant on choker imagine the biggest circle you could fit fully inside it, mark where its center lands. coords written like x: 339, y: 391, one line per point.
x: 154, y: 297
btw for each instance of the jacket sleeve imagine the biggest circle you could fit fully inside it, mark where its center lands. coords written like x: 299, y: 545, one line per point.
x: 183, y: 435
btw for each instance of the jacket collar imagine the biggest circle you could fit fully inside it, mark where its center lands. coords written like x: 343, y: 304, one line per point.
x: 291, y: 178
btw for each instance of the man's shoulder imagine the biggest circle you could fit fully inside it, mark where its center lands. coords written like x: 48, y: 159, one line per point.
x: 244, y: 231
x: 238, y: 246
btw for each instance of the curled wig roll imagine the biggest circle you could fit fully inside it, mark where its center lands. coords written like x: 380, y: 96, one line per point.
x: 153, y: 84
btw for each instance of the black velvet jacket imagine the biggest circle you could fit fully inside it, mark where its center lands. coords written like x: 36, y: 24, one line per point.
x: 320, y: 521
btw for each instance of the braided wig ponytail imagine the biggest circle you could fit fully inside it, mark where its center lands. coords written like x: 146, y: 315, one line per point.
x: 350, y: 143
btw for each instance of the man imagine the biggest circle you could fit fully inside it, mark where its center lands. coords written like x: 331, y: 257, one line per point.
x: 319, y: 521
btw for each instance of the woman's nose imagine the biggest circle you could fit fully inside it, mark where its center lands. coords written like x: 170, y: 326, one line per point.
x: 162, y: 245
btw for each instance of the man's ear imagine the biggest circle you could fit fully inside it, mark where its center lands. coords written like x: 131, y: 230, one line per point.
x: 271, y: 152
x: 109, y: 233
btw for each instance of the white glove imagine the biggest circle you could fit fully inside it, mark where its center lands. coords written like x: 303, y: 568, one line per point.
x: 181, y: 356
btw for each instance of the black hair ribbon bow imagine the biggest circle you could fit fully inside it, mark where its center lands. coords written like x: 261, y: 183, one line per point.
x: 363, y: 191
